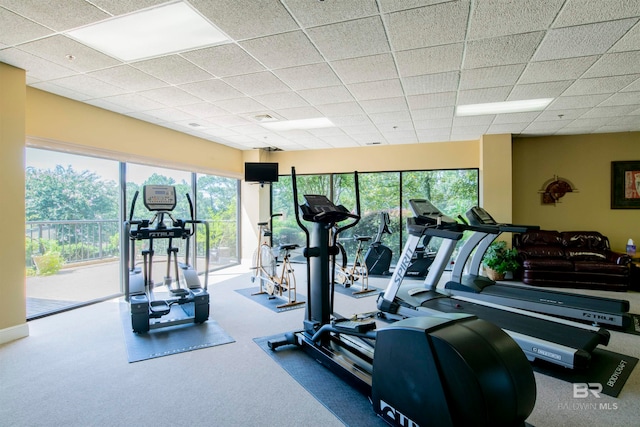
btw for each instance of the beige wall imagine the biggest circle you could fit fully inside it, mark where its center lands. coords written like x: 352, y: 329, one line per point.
x: 82, y: 127
x: 585, y: 160
x: 12, y: 286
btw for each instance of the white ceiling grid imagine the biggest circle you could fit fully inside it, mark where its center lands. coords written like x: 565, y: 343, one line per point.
x: 383, y: 71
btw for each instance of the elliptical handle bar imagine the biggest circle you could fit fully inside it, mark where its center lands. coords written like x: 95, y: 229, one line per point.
x: 133, y: 205
x: 294, y: 182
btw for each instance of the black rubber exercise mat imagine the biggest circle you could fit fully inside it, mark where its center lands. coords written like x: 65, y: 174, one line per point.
x: 170, y: 340
x: 277, y: 304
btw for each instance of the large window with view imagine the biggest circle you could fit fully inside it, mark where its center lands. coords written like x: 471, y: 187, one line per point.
x: 74, y: 213
x: 452, y: 191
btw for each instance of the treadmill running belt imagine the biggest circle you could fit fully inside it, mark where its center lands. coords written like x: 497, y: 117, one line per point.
x: 581, y: 301
x: 555, y: 332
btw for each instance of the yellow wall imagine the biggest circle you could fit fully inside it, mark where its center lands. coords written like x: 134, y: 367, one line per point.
x: 12, y: 285
x: 84, y: 127
x: 585, y: 160
x: 449, y: 155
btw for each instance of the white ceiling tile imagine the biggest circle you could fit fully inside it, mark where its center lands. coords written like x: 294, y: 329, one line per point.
x: 230, y: 121
x: 224, y: 60
x: 341, y: 109
x: 434, y: 124
x: 243, y: 19
x: 16, y: 29
x: 169, y: 114
x: 257, y: 83
x: 299, y: 113
x: 240, y: 105
x: 278, y: 100
x: 616, y: 64
x: 384, y: 105
x: 431, y: 83
x: 350, y: 39
x: 434, y: 135
x: 376, y: 90
x: 128, y: 78
x: 170, y: 96
x: 134, y: 102
x: 396, y: 5
x: 490, y: 77
x: 609, y: 111
x: 580, y: 101
x: 172, y: 69
x: 350, y: 121
x: 360, y: 130
x: 513, y: 128
x: 430, y: 100
x: 212, y: 90
x: 58, y: 15
x: 505, y: 50
x: 443, y: 23
x: 493, y: 18
x: 581, y: 40
x: 119, y: 7
x: 366, y: 68
x: 481, y: 96
x: 36, y: 67
x: 599, y: 85
x: 393, y: 118
x: 89, y: 86
x: 565, y: 115
x: 203, y: 110
x: 559, y: 69
x: 432, y: 113
x: 576, y: 12
x: 430, y: 60
x: 632, y: 87
x: 308, y: 76
x: 622, y: 98
x: 62, y: 91
x: 326, y: 95
x: 484, y: 120
x: 538, y: 90
x: 283, y: 50
x: 630, y: 41
x: 57, y: 48
x: 515, y: 118
x: 314, y: 13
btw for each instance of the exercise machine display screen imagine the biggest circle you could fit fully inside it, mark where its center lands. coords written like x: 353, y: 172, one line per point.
x: 424, y: 210
x: 479, y: 216
x: 159, y: 197
x: 318, y: 203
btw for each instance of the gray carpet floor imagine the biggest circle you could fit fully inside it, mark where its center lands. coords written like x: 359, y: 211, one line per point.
x: 73, y: 370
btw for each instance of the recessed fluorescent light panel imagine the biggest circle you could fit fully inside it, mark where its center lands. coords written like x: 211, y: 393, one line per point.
x: 522, y: 106
x: 320, y: 122
x: 153, y: 32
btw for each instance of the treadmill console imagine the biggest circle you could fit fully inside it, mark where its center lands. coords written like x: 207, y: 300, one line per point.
x: 159, y: 197
x: 425, y: 212
x: 479, y: 216
x: 318, y: 208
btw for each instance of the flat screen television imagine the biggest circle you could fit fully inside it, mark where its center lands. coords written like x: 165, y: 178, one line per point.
x: 260, y: 172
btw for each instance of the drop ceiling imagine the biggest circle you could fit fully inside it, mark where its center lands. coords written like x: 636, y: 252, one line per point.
x: 383, y: 71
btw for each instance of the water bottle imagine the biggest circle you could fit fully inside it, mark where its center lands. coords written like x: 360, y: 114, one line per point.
x: 631, y: 248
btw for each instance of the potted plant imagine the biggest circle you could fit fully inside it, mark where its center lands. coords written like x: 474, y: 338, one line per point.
x: 498, y: 260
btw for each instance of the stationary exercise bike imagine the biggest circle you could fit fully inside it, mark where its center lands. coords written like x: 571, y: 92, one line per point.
x: 442, y: 370
x: 358, y: 272
x: 151, y: 306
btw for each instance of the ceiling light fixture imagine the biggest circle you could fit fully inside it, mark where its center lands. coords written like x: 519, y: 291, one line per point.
x: 152, y: 32
x: 521, y: 106
x: 320, y: 122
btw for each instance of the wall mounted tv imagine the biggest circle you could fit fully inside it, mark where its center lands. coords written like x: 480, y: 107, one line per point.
x: 260, y: 172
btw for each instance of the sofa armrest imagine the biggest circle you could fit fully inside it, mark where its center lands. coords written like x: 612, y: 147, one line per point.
x: 619, y: 258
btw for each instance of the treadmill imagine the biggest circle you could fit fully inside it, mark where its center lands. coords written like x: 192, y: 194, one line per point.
x: 558, y: 341
x: 607, y: 312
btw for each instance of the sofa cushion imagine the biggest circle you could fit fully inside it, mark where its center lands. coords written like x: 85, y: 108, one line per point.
x: 585, y: 255
x: 601, y: 267
x: 539, y: 238
x: 549, y: 264
x: 542, y: 251
x: 585, y: 240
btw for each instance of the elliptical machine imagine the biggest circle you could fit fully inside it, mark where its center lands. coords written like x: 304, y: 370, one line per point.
x: 443, y: 370
x: 378, y: 256
x: 151, y: 308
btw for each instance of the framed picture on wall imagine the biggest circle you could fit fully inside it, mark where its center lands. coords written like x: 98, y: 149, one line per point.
x: 625, y: 185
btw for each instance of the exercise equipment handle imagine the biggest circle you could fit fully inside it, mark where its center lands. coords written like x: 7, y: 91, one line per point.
x: 133, y: 205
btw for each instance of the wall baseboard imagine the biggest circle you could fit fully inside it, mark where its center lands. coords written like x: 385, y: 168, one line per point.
x: 14, y: 332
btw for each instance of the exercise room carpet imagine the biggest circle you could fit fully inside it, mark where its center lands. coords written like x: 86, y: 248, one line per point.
x: 170, y: 340
x: 270, y: 303
x: 607, y: 368
x: 350, y: 406
x: 373, y: 291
